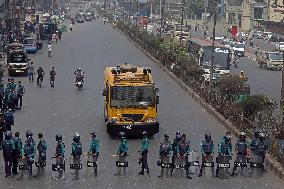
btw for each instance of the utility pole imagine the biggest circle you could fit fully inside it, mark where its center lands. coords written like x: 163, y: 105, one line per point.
x: 162, y: 6
x: 282, y: 98
x: 181, y: 26
x: 130, y: 8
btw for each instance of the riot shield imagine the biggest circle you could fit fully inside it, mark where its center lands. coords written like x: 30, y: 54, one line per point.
x: 256, y: 166
x: 223, y: 165
x: 76, y: 166
x: 26, y: 169
x: 40, y: 165
x: 121, y: 165
x: 165, y: 166
x: 240, y: 166
x: 91, y: 164
x: 208, y: 166
x: 180, y: 165
x: 193, y: 160
x: 58, y: 165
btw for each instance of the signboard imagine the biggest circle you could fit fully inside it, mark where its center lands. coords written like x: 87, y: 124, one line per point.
x: 234, y: 31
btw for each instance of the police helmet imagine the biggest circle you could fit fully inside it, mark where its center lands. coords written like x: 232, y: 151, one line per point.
x: 122, y: 135
x: 29, y: 133
x: 256, y: 133
x: 207, y: 137
x: 58, y: 137
x: 183, y: 136
x: 227, y: 138
x: 8, y: 135
x: 40, y: 135
x: 79, y: 69
x: 10, y: 110
x: 261, y: 135
x: 167, y: 135
x: 94, y: 134
x: 76, y: 137
x: 9, y: 78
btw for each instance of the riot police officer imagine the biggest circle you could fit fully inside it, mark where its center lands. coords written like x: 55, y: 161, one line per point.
x: 261, y: 147
x: 9, y: 119
x: 183, y: 150
x: 144, y: 153
x: 41, y: 148
x: 8, y: 150
x: 76, y: 152
x: 207, y: 151
x: 17, y: 152
x: 122, y: 150
x: 225, y: 146
x: 94, y: 149
x: 174, y: 147
x: 241, y: 148
x: 28, y: 153
x: 29, y: 135
x: 165, y: 151
x: 59, y: 155
x: 254, y: 140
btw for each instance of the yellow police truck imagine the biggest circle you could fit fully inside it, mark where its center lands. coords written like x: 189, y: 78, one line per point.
x: 130, y: 100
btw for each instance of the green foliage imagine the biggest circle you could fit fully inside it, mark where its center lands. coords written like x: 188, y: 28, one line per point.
x: 231, y: 85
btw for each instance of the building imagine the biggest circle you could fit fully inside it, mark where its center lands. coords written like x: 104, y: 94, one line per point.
x: 276, y: 11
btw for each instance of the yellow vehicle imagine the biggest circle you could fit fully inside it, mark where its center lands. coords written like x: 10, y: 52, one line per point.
x: 130, y: 100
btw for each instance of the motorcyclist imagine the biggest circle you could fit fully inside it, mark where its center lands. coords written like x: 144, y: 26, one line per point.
x: 94, y: 149
x: 79, y: 75
x: 174, y: 147
x: 8, y: 150
x: 165, y: 151
x: 17, y: 152
x: 76, y: 152
x: 41, y: 148
x: 207, y: 151
x: 241, y: 148
x: 59, y: 155
x: 40, y: 74
x: 242, y: 76
x: 49, y: 47
x: 183, y: 150
x: 144, y: 153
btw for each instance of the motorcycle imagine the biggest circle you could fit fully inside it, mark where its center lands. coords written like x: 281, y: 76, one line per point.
x: 79, y: 82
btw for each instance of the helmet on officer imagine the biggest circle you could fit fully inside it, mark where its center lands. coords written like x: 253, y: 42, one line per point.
x: 122, y: 135
x: 183, y: 137
x: 178, y: 134
x: 58, y: 137
x: 93, y: 134
x: 227, y: 137
x: 144, y: 134
x: 207, y: 137
x: 79, y: 69
x: 167, y: 136
x: 76, y: 137
x: 29, y: 133
x: 242, y: 136
x: 261, y: 136
x: 8, y: 135
x: 256, y: 133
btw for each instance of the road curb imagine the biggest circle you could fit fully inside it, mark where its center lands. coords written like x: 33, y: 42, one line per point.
x: 272, y: 164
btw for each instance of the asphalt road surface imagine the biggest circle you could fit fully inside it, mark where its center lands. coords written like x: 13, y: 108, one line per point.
x: 64, y: 109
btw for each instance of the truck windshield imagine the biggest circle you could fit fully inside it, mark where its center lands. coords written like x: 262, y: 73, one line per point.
x: 18, y: 58
x: 132, y: 96
x: 221, y: 58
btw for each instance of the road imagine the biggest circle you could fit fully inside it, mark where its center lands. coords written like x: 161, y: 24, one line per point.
x: 93, y: 46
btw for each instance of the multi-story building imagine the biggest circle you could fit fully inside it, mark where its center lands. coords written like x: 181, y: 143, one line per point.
x: 276, y: 11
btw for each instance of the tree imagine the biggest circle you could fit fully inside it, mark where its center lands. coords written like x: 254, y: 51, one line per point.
x: 196, y: 7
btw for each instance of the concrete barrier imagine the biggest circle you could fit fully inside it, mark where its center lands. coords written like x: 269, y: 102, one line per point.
x: 270, y: 161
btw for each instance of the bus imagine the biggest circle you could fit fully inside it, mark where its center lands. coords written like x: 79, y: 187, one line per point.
x: 201, y: 50
x: 130, y: 100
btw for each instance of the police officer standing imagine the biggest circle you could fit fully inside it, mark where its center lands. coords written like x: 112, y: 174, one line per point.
x: 260, y: 147
x: 122, y: 150
x: 2, y: 128
x: 8, y: 150
x: 183, y: 150
x: 20, y: 93
x: 225, y: 146
x: 144, y: 153
x: 207, y: 151
x: 241, y: 148
x: 9, y: 119
x: 76, y: 152
x: 94, y: 150
x: 41, y: 148
x: 59, y: 155
x: 17, y: 152
x: 164, y: 152
x: 175, y: 144
x: 2, y: 95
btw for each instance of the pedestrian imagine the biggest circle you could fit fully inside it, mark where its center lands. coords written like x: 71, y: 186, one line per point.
x: 144, y: 154
x: 41, y: 148
x: 251, y: 42
x: 94, y: 150
x: 52, y: 74
x: 59, y: 155
x: 71, y: 27
x: 76, y: 153
x: 53, y: 37
x: 17, y: 153
x: 31, y: 72
x: 28, y: 152
x: 8, y: 149
x: 9, y: 119
x: 59, y: 34
x: 20, y: 93
x: 56, y: 36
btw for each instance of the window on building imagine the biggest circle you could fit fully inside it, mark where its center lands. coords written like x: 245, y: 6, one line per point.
x: 231, y: 18
x: 258, y: 13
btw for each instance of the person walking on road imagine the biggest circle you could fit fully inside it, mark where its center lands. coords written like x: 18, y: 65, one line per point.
x: 8, y: 149
x: 20, y: 93
x: 52, y: 77
x: 31, y: 72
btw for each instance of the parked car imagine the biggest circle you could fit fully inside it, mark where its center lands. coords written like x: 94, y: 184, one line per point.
x: 279, y: 46
x: 259, y: 34
x: 272, y: 61
x: 276, y: 37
